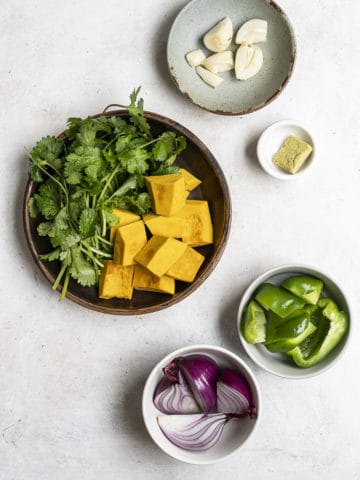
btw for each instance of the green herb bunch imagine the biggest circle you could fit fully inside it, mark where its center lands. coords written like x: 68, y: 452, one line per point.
x: 99, y: 164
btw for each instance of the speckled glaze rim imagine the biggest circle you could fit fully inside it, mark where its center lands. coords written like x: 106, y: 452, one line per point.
x: 30, y: 186
x: 279, y: 10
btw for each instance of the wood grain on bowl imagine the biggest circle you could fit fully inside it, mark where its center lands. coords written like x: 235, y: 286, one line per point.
x: 198, y: 160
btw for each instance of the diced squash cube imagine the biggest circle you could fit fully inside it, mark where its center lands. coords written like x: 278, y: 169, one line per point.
x: 116, y: 280
x: 160, y: 253
x: 172, y: 227
x: 198, y: 225
x: 125, y: 217
x: 187, y: 266
x: 167, y: 193
x: 129, y: 240
x: 145, y: 280
x: 191, y: 182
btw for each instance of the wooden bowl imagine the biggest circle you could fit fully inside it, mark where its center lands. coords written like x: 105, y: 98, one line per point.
x: 199, y: 161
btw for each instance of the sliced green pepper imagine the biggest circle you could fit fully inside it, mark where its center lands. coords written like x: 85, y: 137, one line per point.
x: 253, y: 323
x: 331, y: 327
x: 307, y: 288
x: 278, y: 300
x: 290, y: 343
x: 291, y: 327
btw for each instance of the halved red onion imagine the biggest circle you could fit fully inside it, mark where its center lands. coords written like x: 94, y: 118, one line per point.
x: 172, y: 397
x: 233, y: 392
x: 200, y: 373
x: 197, y: 432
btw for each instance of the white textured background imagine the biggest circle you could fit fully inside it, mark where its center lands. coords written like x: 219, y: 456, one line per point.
x: 71, y: 380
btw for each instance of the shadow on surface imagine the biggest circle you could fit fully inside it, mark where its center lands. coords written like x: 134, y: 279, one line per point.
x: 130, y: 408
x: 250, y: 152
x: 228, y: 322
x: 160, y: 43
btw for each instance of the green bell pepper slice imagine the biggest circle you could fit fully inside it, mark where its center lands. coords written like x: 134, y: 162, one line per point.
x: 331, y: 325
x: 279, y: 328
x: 288, y: 344
x: 307, y: 288
x: 253, y: 323
x: 278, y: 300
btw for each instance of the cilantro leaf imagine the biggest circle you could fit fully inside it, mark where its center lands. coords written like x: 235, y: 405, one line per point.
x: 137, y: 203
x: 73, y: 127
x: 82, y: 270
x: 87, y: 133
x: 136, y: 113
x: 166, y: 170
x: 110, y: 218
x: 51, y: 256
x: 49, y: 149
x: 167, y: 147
x: 134, y: 160
x: 87, y: 223
x: 84, y: 162
x: 130, y: 184
x: 33, y: 210
x: 49, y: 199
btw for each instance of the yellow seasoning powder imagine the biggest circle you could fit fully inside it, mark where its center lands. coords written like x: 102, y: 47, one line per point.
x: 292, y: 154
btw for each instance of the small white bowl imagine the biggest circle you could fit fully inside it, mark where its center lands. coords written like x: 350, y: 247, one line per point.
x: 271, y: 140
x: 235, y: 433
x: 277, y: 363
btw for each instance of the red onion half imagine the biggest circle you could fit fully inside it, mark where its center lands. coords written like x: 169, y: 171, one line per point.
x: 233, y: 393
x: 170, y: 397
x: 200, y: 373
x: 197, y: 432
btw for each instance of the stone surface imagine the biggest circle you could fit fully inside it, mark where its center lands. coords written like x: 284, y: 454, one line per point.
x: 71, y: 380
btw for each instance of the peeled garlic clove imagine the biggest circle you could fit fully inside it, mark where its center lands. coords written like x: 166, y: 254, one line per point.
x: 219, y: 37
x: 219, y: 62
x: 253, y: 31
x: 209, y: 77
x: 195, y: 57
x: 248, y: 61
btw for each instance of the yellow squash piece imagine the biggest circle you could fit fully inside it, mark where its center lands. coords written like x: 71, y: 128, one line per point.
x: 198, y: 228
x: 172, y: 227
x: 167, y: 193
x: 125, y: 217
x: 187, y: 266
x: 129, y: 240
x: 116, y: 281
x: 191, y: 182
x: 145, y: 280
x: 160, y: 253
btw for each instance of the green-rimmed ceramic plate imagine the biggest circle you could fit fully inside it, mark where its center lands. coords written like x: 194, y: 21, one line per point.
x: 232, y: 97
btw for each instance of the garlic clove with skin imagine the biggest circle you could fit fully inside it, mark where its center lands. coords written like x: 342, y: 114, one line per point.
x: 219, y: 37
x: 219, y: 62
x: 210, y: 78
x: 253, y: 31
x: 248, y: 61
x: 195, y: 57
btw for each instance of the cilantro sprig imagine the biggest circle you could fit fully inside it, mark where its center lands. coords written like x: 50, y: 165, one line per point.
x: 99, y: 164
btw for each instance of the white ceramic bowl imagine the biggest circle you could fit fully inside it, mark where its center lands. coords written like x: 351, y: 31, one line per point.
x: 235, y: 433
x: 277, y: 363
x: 271, y: 140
